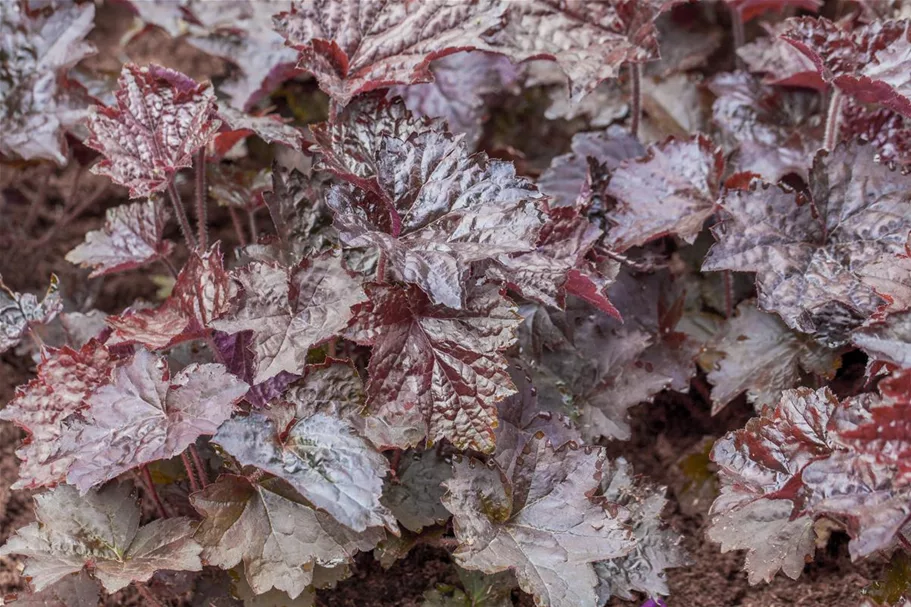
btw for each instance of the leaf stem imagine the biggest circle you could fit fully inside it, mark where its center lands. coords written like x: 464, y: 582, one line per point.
x: 201, y: 199
x: 381, y: 268
x: 254, y: 229
x: 191, y: 473
x: 181, y: 215
x: 833, y: 119
x: 147, y: 595
x: 635, y: 73
x: 238, y: 228
x: 153, y: 493
x: 739, y: 35
x: 170, y: 266
x: 728, y: 283
x: 394, y: 464
x: 200, y: 466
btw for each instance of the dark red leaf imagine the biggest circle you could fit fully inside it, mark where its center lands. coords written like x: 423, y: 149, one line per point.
x: 356, y: 46
x: 436, y: 371
x: 162, y: 117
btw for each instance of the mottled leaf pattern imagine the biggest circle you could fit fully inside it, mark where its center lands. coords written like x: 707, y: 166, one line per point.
x: 671, y: 190
x: 142, y: 400
x: 867, y: 63
x: 538, y: 519
x: 161, y: 118
x: 590, y: 42
x: 37, y: 102
x: 762, y: 126
x: 813, y: 256
x: 291, y: 310
x: 356, y: 46
x: 273, y: 531
x: 322, y: 457
x: 436, y: 370
x: 202, y: 293
x: 430, y: 207
x: 50, y: 404
x: 758, y: 507
x: 101, y: 529
x: 657, y: 547
x: 132, y: 236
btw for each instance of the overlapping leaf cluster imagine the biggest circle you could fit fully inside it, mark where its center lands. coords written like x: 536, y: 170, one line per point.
x: 433, y: 338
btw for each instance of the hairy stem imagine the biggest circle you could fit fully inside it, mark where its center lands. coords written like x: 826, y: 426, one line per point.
x: 635, y: 73
x: 238, y: 227
x: 381, y: 268
x: 181, y: 216
x: 739, y: 35
x: 191, y: 473
x: 201, y: 198
x: 200, y: 466
x: 170, y: 266
x: 833, y: 119
x: 728, y: 282
x: 254, y: 229
x: 153, y: 493
x: 394, y: 464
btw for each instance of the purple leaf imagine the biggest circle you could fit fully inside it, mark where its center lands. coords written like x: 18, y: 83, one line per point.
x: 162, y: 117
x: 37, y: 103
x: 356, y: 46
x: 291, y: 310
x: 435, y: 370
x: 132, y: 236
x: 143, y: 400
x: 101, y: 530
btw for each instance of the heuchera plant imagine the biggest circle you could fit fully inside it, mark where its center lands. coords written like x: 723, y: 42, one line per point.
x: 435, y: 337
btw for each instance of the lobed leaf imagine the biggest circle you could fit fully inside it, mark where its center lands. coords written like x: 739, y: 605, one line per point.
x: 436, y: 371
x: 101, y: 529
x: 202, y: 293
x: 322, y: 457
x: 670, y: 190
x: 357, y: 46
x: 161, y: 118
x: 815, y: 257
x: 143, y: 401
x: 132, y: 236
x: 535, y: 515
x: 274, y: 532
x: 657, y: 547
x: 429, y: 207
x: 758, y: 354
x: 38, y: 105
x: 771, y: 132
x: 291, y: 310
x: 590, y: 42
x: 50, y: 404
x: 866, y: 63
x: 20, y: 311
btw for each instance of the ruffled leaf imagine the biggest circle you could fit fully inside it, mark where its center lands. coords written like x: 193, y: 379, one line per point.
x: 101, y: 529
